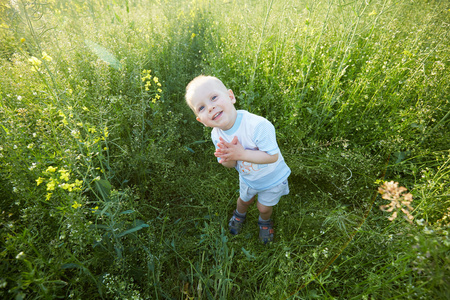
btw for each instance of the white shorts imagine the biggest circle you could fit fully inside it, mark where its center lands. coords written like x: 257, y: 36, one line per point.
x: 268, y: 197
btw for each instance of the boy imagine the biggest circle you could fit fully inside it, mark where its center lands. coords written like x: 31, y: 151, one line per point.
x: 246, y: 142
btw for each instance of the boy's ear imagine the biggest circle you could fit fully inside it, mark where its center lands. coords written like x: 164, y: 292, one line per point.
x: 231, y: 95
x: 198, y: 119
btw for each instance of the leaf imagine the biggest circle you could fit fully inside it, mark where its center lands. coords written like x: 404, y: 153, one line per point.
x: 104, y: 188
x: 401, y: 156
x: 70, y: 266
x: 103, y: 53
x: 199, y: 142
x: 139, y: 227
x: 248, y: 254
x: 130, y: 211
x: 189, y: 149
x: 116, y: 16
x: 100, y: 226
x: 5, y: 129
x: 57, y: 282
x: 118, y: 252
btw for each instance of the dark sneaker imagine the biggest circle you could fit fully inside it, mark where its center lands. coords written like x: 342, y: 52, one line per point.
x: 236, y: 223
x: 266, y: 232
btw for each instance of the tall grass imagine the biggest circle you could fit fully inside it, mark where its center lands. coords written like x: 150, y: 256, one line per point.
x: 109, y: 188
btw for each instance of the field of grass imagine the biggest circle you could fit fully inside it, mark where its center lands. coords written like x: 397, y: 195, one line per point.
x: 109, y: 188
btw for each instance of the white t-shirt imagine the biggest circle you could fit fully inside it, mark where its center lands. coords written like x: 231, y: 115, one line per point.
x: 255, y: 133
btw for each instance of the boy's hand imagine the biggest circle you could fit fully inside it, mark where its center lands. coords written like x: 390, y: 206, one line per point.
x: 229, y: 151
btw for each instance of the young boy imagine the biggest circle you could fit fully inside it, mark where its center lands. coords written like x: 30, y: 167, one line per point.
x: 246, y: 142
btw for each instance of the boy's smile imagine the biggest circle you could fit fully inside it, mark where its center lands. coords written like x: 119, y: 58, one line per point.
x: 214, y: 104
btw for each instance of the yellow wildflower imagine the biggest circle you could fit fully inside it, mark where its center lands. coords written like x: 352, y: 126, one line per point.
x: 78, y: 182
x: 66, y: 186
x: 51, y: 185
x: 155, y: 79
x: 51, y: 169
x: 39, y: 180
x: 35, y: 61
x: 48, y: 196
x: 61, y: 114
x: 76, y: 205
x: 64, y: 174
x: 46, y: 57
x: 146, y: 75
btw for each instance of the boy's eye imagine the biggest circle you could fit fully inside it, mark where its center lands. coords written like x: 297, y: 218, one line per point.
x: 214, y: 98
x: 201, y: 108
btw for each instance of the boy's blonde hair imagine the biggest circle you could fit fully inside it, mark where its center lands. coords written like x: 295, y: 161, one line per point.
x: 191, y: 87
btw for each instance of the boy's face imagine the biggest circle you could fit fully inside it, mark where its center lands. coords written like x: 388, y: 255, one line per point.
x: 214, y: 104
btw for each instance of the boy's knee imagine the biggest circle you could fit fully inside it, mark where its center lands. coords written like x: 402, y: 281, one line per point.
x: 264, y: 209
x: 246, y: 203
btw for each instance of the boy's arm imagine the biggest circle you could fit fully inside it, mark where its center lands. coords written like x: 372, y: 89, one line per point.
x: 232, y: 152
x: 229, y: 163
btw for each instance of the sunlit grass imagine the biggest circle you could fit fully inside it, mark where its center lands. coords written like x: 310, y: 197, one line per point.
x: 109, y: 186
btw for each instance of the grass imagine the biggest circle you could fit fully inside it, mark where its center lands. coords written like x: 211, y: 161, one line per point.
x: 109, y: 186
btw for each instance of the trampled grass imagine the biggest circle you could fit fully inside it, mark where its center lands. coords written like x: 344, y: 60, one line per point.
x: 110, y: 188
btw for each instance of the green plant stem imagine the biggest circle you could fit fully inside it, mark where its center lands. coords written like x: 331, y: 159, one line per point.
x: 255, y: 64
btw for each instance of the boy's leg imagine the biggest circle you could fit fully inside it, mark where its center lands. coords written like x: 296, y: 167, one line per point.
x: 264, y: 211
x: 242, y: 206
x: 266, y: 232
x: 265, y: 223
x: 238, y: 218
x: 266, y: 200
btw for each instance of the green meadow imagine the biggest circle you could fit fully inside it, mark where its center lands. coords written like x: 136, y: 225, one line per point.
x: 109, y: 188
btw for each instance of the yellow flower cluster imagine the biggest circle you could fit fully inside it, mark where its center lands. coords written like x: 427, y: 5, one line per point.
x: 76, y: 205
x: 36, y: 62
x: 76, y: 132
x: 63, y: 116
x: 46, y: 57
x: 147, y: 79
x: 146, y: 75
x: 61, y: 181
